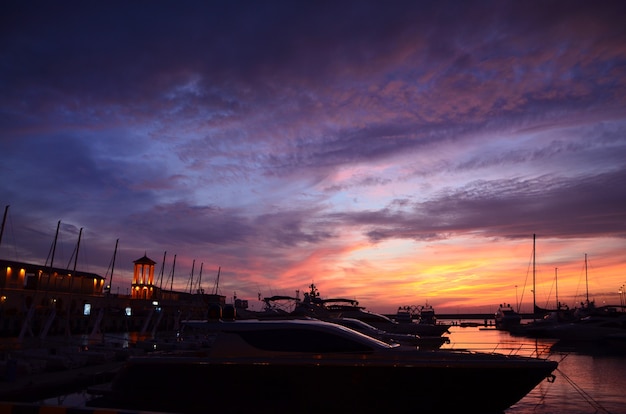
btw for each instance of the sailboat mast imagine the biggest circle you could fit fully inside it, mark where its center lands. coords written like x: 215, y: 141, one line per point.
x: 586, y: 279
x: 534, y: 279
x: 193, y: 265
x: 54, y: 245
x: 54, y: 249
x: 172, y: 281
x: 162, y: 270
x: 113, y: 265
x: 200, y: 279
x: 68, y: 329
x: 4, y: 220
x: 217, y: 281
x: 556, y: 284
x: 80, y: 233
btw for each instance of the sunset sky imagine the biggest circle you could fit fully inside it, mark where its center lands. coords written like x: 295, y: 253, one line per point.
x: 397, y: 153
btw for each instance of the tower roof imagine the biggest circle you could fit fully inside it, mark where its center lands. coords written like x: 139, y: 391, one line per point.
x: 145, y: 260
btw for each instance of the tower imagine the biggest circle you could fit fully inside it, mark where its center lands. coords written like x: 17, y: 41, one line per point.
x: 143, y: 278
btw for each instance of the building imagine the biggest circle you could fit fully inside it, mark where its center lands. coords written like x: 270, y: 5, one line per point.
x: 38, y: 301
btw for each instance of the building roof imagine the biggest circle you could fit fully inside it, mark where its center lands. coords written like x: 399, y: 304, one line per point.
x: 35, y: 268
x: 145, y: 260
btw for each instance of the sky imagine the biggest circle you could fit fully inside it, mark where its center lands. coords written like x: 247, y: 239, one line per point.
x: 399, y: 153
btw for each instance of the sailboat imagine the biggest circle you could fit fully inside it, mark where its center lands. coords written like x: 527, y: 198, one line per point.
x: 585, y: 324
x: 562, y: 313
x: 544, y: 318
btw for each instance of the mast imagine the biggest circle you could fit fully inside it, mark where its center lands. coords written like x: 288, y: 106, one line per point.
x: 68, y: 329
x: 193, y: 265
x: 31, y: 310
x: 54, y: 249
x: 113, y: 265
x: 80, y: 233
x: 217, y: 281
x: 200, y: 279
x: 162, y: 270
x: 534, y: 279
x: 556, y: 284
x: 172, y: 281
x: 586, y: 279
x: 4, y: 220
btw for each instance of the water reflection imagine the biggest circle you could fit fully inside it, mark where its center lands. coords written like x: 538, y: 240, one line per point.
x: 489, y: 339
x: 588, y: 380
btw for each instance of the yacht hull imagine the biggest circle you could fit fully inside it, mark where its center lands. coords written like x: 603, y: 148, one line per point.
x: 437, y: 382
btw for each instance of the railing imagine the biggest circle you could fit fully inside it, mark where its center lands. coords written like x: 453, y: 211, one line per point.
x: 530, y: 349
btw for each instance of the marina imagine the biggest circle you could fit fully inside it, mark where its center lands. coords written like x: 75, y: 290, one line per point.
x: 179, y: 181
x: 69, y: 343
x: 47, y: 366
x: 586, y: 380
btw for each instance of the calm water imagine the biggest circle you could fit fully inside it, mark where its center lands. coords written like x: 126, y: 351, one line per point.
x: 587, y: 381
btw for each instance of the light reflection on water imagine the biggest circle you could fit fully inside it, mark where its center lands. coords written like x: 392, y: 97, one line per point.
x: 585, y: 382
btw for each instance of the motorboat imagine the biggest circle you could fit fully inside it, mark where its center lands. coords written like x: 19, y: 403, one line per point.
x: 316, y: 307
x: 404, y: 315
x: 506, y: 318
x: 387, y: 324
x: 427, y: 315
x: 427, y: 342
x: 314, y: 366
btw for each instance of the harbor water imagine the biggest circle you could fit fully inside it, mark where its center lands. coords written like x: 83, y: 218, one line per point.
x: 586, y: 381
